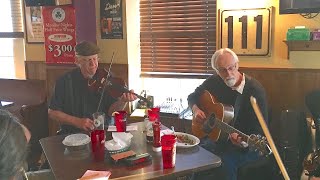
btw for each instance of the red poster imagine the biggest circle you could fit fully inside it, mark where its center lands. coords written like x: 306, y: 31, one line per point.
x: 59, y: 31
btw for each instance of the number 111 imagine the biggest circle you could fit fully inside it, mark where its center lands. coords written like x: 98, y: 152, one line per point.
x: 244, y: 31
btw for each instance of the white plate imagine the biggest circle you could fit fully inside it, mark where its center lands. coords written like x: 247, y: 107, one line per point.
x: 76, y: 140
x: 194, y: 139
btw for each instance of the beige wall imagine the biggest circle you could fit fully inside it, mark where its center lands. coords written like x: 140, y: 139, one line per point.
x: 108, y: 46
x: 279, y: 52
x: 129, y: 47
x: 35, y: 52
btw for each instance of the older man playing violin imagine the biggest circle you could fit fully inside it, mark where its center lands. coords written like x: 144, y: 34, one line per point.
x: 73, y: 103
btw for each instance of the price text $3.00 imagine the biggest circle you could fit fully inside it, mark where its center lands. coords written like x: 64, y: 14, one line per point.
x: 59, y: 49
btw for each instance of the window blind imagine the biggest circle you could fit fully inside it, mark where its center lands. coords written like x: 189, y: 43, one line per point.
x: 177, y: 38
x: 12, y: 24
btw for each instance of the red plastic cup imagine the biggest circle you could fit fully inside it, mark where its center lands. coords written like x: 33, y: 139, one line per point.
x: 97, y: 144
x: 154, y: 114
x: 121, y: 121
x: 168, y: 145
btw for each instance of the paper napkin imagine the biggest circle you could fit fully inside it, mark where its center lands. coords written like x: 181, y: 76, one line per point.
x: 95, y: 175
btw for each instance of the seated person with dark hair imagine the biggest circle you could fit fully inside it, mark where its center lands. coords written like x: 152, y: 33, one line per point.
x: 14, y: 138
x: 231, y: 87
x: 73, y: 103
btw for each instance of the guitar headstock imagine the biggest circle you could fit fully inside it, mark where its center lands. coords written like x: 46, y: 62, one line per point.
x: 311, y: 163
x: 259, y: 143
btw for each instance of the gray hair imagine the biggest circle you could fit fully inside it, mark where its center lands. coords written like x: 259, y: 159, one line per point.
x: 13, y: 145
x: 218, y: 53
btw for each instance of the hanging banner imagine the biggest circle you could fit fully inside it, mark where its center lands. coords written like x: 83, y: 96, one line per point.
x: 60, y: 34
x: 111, y: 19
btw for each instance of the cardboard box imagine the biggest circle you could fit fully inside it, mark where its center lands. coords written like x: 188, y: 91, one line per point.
x: 298, y: 34
x: 316, y: 35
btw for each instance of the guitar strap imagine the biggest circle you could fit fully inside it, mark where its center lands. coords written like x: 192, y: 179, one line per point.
x: 237, y: 108
x: 239, y: 99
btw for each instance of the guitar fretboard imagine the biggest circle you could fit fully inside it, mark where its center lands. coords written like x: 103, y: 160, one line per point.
x: 229, y: 129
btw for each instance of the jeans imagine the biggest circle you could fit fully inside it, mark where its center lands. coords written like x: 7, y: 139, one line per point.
x: 232, y: 157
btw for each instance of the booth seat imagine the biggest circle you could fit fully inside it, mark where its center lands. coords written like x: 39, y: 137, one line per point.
x: 30, y: 106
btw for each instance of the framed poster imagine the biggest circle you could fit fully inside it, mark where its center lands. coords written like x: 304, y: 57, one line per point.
x: 111, y: 19
x: 246, y: 31
x: 34, y: 24
x: 60, y: 34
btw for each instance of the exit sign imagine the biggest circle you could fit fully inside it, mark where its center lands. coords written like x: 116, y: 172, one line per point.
x: 246, y: 31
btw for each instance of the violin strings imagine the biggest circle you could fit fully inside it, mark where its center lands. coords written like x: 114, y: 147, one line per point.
x: 124, y: 106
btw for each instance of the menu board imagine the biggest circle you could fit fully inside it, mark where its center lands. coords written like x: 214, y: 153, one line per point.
x: 111, y: 19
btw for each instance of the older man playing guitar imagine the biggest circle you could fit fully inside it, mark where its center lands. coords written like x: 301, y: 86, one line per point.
x: 229, y: 92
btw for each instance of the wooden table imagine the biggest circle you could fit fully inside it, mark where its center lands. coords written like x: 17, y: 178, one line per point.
x: 69, y: 166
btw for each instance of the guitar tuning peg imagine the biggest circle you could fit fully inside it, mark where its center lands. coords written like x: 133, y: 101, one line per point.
x: 259, y: 136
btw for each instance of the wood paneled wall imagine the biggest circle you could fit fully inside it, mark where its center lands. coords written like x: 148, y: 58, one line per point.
x: 50, y: 73
x: 286, y: 88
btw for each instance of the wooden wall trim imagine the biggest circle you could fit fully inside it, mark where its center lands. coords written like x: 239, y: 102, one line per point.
x: 286, y: 88
x: 278, y: 69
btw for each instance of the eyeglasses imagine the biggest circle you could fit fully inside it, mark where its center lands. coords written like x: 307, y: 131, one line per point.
x: 90, y: 58
x: 231, y: 68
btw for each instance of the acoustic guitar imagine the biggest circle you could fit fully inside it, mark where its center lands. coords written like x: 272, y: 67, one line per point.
x: 217, y: 127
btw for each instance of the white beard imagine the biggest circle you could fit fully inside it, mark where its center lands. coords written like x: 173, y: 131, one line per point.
x: 230, y: 81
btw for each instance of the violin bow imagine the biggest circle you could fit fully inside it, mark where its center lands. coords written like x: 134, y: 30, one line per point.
x: 104, y: 86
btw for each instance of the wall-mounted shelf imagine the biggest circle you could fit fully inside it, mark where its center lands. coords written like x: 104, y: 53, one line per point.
x: 302, y: 46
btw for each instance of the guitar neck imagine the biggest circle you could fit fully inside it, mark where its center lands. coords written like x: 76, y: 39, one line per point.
x: 229, y: 129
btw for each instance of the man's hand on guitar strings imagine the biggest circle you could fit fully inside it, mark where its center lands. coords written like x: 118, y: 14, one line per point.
x: 198, y: 114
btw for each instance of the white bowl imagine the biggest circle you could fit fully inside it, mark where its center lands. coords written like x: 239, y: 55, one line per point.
x: 76, y: 142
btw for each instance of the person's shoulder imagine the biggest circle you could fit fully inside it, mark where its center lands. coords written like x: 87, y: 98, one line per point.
x: 213, y: 77
x: 70, y: 74
x: 254, y: 83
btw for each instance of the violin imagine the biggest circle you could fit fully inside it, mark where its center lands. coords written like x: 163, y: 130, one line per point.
x: 113, y: 86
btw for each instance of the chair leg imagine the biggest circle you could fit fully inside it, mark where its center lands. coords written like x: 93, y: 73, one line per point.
x: 42, y: 160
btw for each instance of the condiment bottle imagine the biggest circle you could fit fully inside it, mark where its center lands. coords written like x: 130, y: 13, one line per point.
x: 156, y: 136
x: 149, y: 130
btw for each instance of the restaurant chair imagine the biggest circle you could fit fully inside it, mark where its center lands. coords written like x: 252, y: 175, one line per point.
x: 312, y: 101
x: 35, y: 118
x: 290, y: 134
